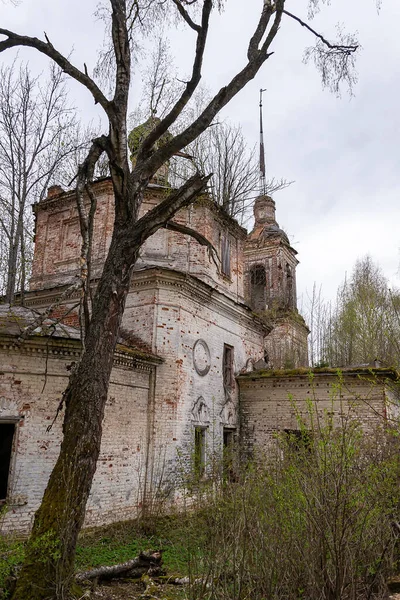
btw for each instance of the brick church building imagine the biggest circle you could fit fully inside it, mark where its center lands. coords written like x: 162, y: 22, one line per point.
x: 198, y: 338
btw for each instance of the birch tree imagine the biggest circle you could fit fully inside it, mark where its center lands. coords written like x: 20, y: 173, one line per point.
x: 364, y: 325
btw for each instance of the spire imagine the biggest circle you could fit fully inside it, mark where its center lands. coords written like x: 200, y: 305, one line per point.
x: 262, y: 150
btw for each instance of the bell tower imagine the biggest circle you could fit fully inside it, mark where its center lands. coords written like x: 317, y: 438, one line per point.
x: 270, y: 287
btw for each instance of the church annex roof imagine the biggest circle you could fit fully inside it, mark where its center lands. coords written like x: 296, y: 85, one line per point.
x: 14, y: 320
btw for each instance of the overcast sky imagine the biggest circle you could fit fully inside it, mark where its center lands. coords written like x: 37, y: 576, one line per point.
x: 342, y: 153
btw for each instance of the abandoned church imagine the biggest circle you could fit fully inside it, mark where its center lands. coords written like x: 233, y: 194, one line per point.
x: 209, y: 355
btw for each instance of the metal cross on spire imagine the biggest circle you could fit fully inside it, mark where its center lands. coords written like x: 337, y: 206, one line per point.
x: 262, y: 149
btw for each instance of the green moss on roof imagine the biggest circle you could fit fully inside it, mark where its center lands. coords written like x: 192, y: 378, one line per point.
x: 139, y: 133
x: 373, y: 371
x: 139, y: 354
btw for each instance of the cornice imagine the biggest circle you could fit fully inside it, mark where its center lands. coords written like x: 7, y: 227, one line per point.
x: 360, y: 373
x: 42, y: 346
x: 192, y: 287
x: 45, y: 347
x: 254, y: 246
x: 161, y: 277
x: 100, y: 185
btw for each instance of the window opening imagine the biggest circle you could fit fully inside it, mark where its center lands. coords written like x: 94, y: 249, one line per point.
x: 226, y: 255
x: 6, y: 440
x: 258, y: 288
x: 228, y: 448
x: 199, y: 450
x: 227, y: 368
x: 289, y: 283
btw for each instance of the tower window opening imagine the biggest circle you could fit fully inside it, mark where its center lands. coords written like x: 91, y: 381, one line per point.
x: 289, y: 287
x: 258, y: 288
x: 226, y: 255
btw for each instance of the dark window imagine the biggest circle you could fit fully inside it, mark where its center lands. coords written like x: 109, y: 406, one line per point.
x: 227, y: 367
x: 289, y: 286
x: 226, y: 255
x: 258, y: 288
x: 6, y: 440
x: 199, y: 450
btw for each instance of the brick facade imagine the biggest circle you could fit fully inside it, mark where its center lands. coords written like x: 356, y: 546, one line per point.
x: 32, y: 380
x: 185, y: 314
x: 274, y: 402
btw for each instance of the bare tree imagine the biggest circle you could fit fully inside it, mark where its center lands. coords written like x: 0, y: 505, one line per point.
x: 61, y: 514
x: 317, y: 315
x: 36, y: 126
x: 221, y: 149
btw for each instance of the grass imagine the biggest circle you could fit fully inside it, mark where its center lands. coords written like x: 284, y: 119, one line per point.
x: 11, y: 555
x: 120, y: 542
x: 115, y: 544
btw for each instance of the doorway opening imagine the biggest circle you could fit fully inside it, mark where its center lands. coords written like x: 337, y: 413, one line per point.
x: 7, y: 431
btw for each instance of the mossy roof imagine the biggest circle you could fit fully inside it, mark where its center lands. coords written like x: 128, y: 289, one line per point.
x: 386, y: 372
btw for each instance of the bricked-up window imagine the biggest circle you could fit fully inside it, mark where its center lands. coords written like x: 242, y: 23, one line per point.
x: 199, y: 450
x: 6, y: 440
x: 226, y: 254
x: 258, y: 288
x: 227, y: 367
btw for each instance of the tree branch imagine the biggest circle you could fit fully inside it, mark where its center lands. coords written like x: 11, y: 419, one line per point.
x: 68, y: 292
x: 13, y: 40
x: 260, y: 31
x: 158, y: 216
x: 203, y: 241
x: 191, y: 85
x: 185, y: 15
x: 85, y: 177
x: 122, y: 52
x: 346, y: 49
x: 220, y: 100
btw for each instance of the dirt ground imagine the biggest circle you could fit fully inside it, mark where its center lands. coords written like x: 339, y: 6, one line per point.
x: 133, y: 590
x: 125, y: 590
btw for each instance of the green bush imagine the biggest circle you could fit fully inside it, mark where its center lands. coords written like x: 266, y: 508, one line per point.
x: 314, y: 521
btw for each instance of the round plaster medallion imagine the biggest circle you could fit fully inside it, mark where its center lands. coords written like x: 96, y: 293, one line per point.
x: 201, y: 357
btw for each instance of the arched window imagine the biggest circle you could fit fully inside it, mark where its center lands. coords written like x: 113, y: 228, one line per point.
x: 289, y: 286
x: 226, y: 254
x: 258, y: 288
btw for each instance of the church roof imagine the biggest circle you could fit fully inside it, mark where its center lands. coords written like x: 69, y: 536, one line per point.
x: 14, y: 320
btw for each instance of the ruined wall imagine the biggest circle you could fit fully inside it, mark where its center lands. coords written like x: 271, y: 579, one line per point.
x: 32, y: 380
x: 279, y: 264
x: 271, y: 403
x: 58, y: 241
x: 286, y: 345
x: 187, y: 310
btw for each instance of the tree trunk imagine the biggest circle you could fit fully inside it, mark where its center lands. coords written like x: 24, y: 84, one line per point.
x: 61, y: 514
x: 15, y: 244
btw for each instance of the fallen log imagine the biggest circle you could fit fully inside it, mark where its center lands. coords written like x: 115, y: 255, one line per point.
x: 146, y: 562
